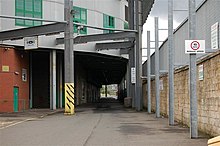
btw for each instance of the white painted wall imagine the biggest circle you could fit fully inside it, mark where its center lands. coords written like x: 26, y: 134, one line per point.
x: 54, y: 10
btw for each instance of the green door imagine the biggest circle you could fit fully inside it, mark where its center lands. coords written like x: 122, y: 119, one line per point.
x: 15, y: 99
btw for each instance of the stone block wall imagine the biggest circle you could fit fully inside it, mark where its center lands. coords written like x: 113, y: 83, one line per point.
x: 208, y: 95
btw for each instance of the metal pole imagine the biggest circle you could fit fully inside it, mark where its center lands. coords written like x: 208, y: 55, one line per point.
x: 137, y: 60
x: 171, y: 62
x: 192, y: 69
x: 69, y: 58
x: 157, y: 69
x: 148, y: 74
x: 131, y: 52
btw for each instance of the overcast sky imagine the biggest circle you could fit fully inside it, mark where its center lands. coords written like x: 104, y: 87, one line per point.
x: 160, y: 9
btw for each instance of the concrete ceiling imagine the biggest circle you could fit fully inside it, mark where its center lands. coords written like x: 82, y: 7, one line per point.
x: 102, y: 69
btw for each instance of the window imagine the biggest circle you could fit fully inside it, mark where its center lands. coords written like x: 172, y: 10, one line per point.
x: 126, y: 25
x: 28, y: 8
x: 80, y: 17
x: 108, y: 22
x: 126, y: 13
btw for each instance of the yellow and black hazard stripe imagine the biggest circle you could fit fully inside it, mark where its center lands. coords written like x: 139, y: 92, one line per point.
x: 69, y: 98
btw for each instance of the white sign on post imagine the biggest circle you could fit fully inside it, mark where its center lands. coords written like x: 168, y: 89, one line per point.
x: 201, y: 72
x: 161, y: 85
x: 133, y: 75
x: 30, y: 43
x: 214, y: 35
x: 194, y: 46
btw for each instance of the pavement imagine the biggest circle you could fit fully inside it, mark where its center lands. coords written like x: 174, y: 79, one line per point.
x: 101, y: 125
x: 10, y: 119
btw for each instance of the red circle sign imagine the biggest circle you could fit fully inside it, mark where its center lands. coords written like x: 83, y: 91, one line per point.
x: 195, y: 45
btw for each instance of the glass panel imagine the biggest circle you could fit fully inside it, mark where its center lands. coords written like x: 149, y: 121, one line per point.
x: 19, y: 13
x: 38, y: 6
x: 20, y: 4
x: 28, y: 22
x: 19, y: 22
x: 37, y: 23
x: 28, y: 5
x: 77, y: 12
x: 83, y: 14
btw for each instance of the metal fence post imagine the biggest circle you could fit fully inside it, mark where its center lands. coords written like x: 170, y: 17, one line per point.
x: 171, y: 62
x: 192, y: 69
x: 157, y: 68
x: 148, y: 74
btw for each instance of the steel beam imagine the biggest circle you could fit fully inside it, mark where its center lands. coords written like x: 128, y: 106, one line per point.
x: 171, y: 62
x: 32, y: 31
x: 192, y: 75
x: 99, y: 37
x: 113, y: 45
x: 157, y: 69
x: 148, y: 74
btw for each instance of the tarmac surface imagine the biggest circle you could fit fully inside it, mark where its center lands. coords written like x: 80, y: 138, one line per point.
x: 106, y: 124
x: 10, y: 119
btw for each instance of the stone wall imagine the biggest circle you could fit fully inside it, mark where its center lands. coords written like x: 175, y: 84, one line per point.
x: 208, y: 95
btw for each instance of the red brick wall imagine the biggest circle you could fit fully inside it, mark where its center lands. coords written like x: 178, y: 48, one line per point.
x: 16, y: 60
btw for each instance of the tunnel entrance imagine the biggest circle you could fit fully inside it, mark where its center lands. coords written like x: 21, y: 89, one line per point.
x: 41, y: 79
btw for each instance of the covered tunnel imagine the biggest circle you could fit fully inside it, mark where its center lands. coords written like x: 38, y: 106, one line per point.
x: 92, y: 70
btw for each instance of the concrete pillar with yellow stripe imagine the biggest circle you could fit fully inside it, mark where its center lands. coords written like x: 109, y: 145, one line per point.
x: 69, y: 58
x: 69, y: 98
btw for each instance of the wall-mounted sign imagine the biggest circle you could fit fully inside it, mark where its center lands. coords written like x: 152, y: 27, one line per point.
x: 5, y: 68
x: 214, y: 35
x: 201, y: 72
x: 24, y: 75
x: 133, y: 75
x: 194, y: 46
x: 30, y: 43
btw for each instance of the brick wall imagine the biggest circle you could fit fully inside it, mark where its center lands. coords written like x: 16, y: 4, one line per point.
x: 16, y: 61
x: 208, y: 94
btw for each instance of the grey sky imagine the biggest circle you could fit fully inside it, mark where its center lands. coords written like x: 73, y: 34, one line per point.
x: 160, y: 9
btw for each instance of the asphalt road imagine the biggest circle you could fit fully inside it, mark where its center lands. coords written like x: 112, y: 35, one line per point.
x: 112, y: 126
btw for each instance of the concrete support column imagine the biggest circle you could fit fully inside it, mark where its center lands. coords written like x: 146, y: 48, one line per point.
x: 61, y: 82
x: 157, y: 68
x: 148, y: 74
x: 53, y: 80
x: 31, y: 81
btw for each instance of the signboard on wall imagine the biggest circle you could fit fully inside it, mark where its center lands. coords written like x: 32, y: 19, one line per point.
x: 194, y: 46
x: 133, y: 75
x: 5, y: 68
x: 161, y: 84
x: 214, y: 35
x: 24, y: 75
x: 30, y: 43
x: 201, y: 72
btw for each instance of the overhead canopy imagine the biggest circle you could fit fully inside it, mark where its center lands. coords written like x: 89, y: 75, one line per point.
x: 102, y: 69
x: 146, y: 8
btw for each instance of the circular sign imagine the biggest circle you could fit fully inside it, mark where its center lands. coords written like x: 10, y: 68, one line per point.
x: 195, y: 45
